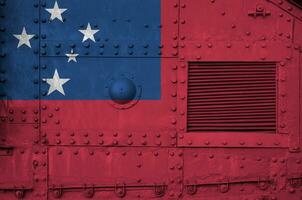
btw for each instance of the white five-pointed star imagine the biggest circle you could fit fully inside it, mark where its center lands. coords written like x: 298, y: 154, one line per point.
x: 56, y: 83
x: 24, y: 38
x: 56, y: 12
x: 89, y: 33
x: 72, y: 56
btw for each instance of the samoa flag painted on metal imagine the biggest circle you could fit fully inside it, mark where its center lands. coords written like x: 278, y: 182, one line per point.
x: 82, y: 50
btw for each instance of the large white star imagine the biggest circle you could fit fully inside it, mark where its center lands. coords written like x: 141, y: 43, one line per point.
x: 89, y: 33
x: 56, y: 83
x: 72, y: 56
x: 24, y: 38
x: 56, y: 12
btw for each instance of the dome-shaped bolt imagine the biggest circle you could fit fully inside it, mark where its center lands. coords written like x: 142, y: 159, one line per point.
x: 20, y: 194
x: 291, y: 190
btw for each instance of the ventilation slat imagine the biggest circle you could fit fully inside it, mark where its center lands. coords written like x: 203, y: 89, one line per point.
x: 226, y: 70
x: 202, y: 80
x: 229, y: 103
x: 229, y: 117
x: 230, y: 86
x: 231, y: 97
x: 234, y: 128
x: 232, y: 83
x: 231, y: 114
x: 233, y: 75
x: 241, y: 109
x: 201, y: 100
x: 239, y: 92
x: 241, y: 104
x: 255, y: 88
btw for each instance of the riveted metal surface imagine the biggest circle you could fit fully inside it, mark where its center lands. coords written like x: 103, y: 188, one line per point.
x: 289, y: 8
x: 15, y: 62
x: 158, y: 128
x: 242, y: 40
x: 19, y: 134
x: 15, y: 176
x: 140, y: 169
x: 112, y: 123
x: 124, y: 33
x: 218, y: 173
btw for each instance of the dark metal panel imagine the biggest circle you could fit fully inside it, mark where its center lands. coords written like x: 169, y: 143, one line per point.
x: 231, y: 97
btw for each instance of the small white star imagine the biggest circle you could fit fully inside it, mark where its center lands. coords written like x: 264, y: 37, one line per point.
x: 56, y: 83
x: 72, y: 56
x: 56, y: 12
x: 89, y: 33
x: 24, y: 38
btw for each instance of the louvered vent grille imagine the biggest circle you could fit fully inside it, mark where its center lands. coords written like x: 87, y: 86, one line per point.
x: 231, y: 97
